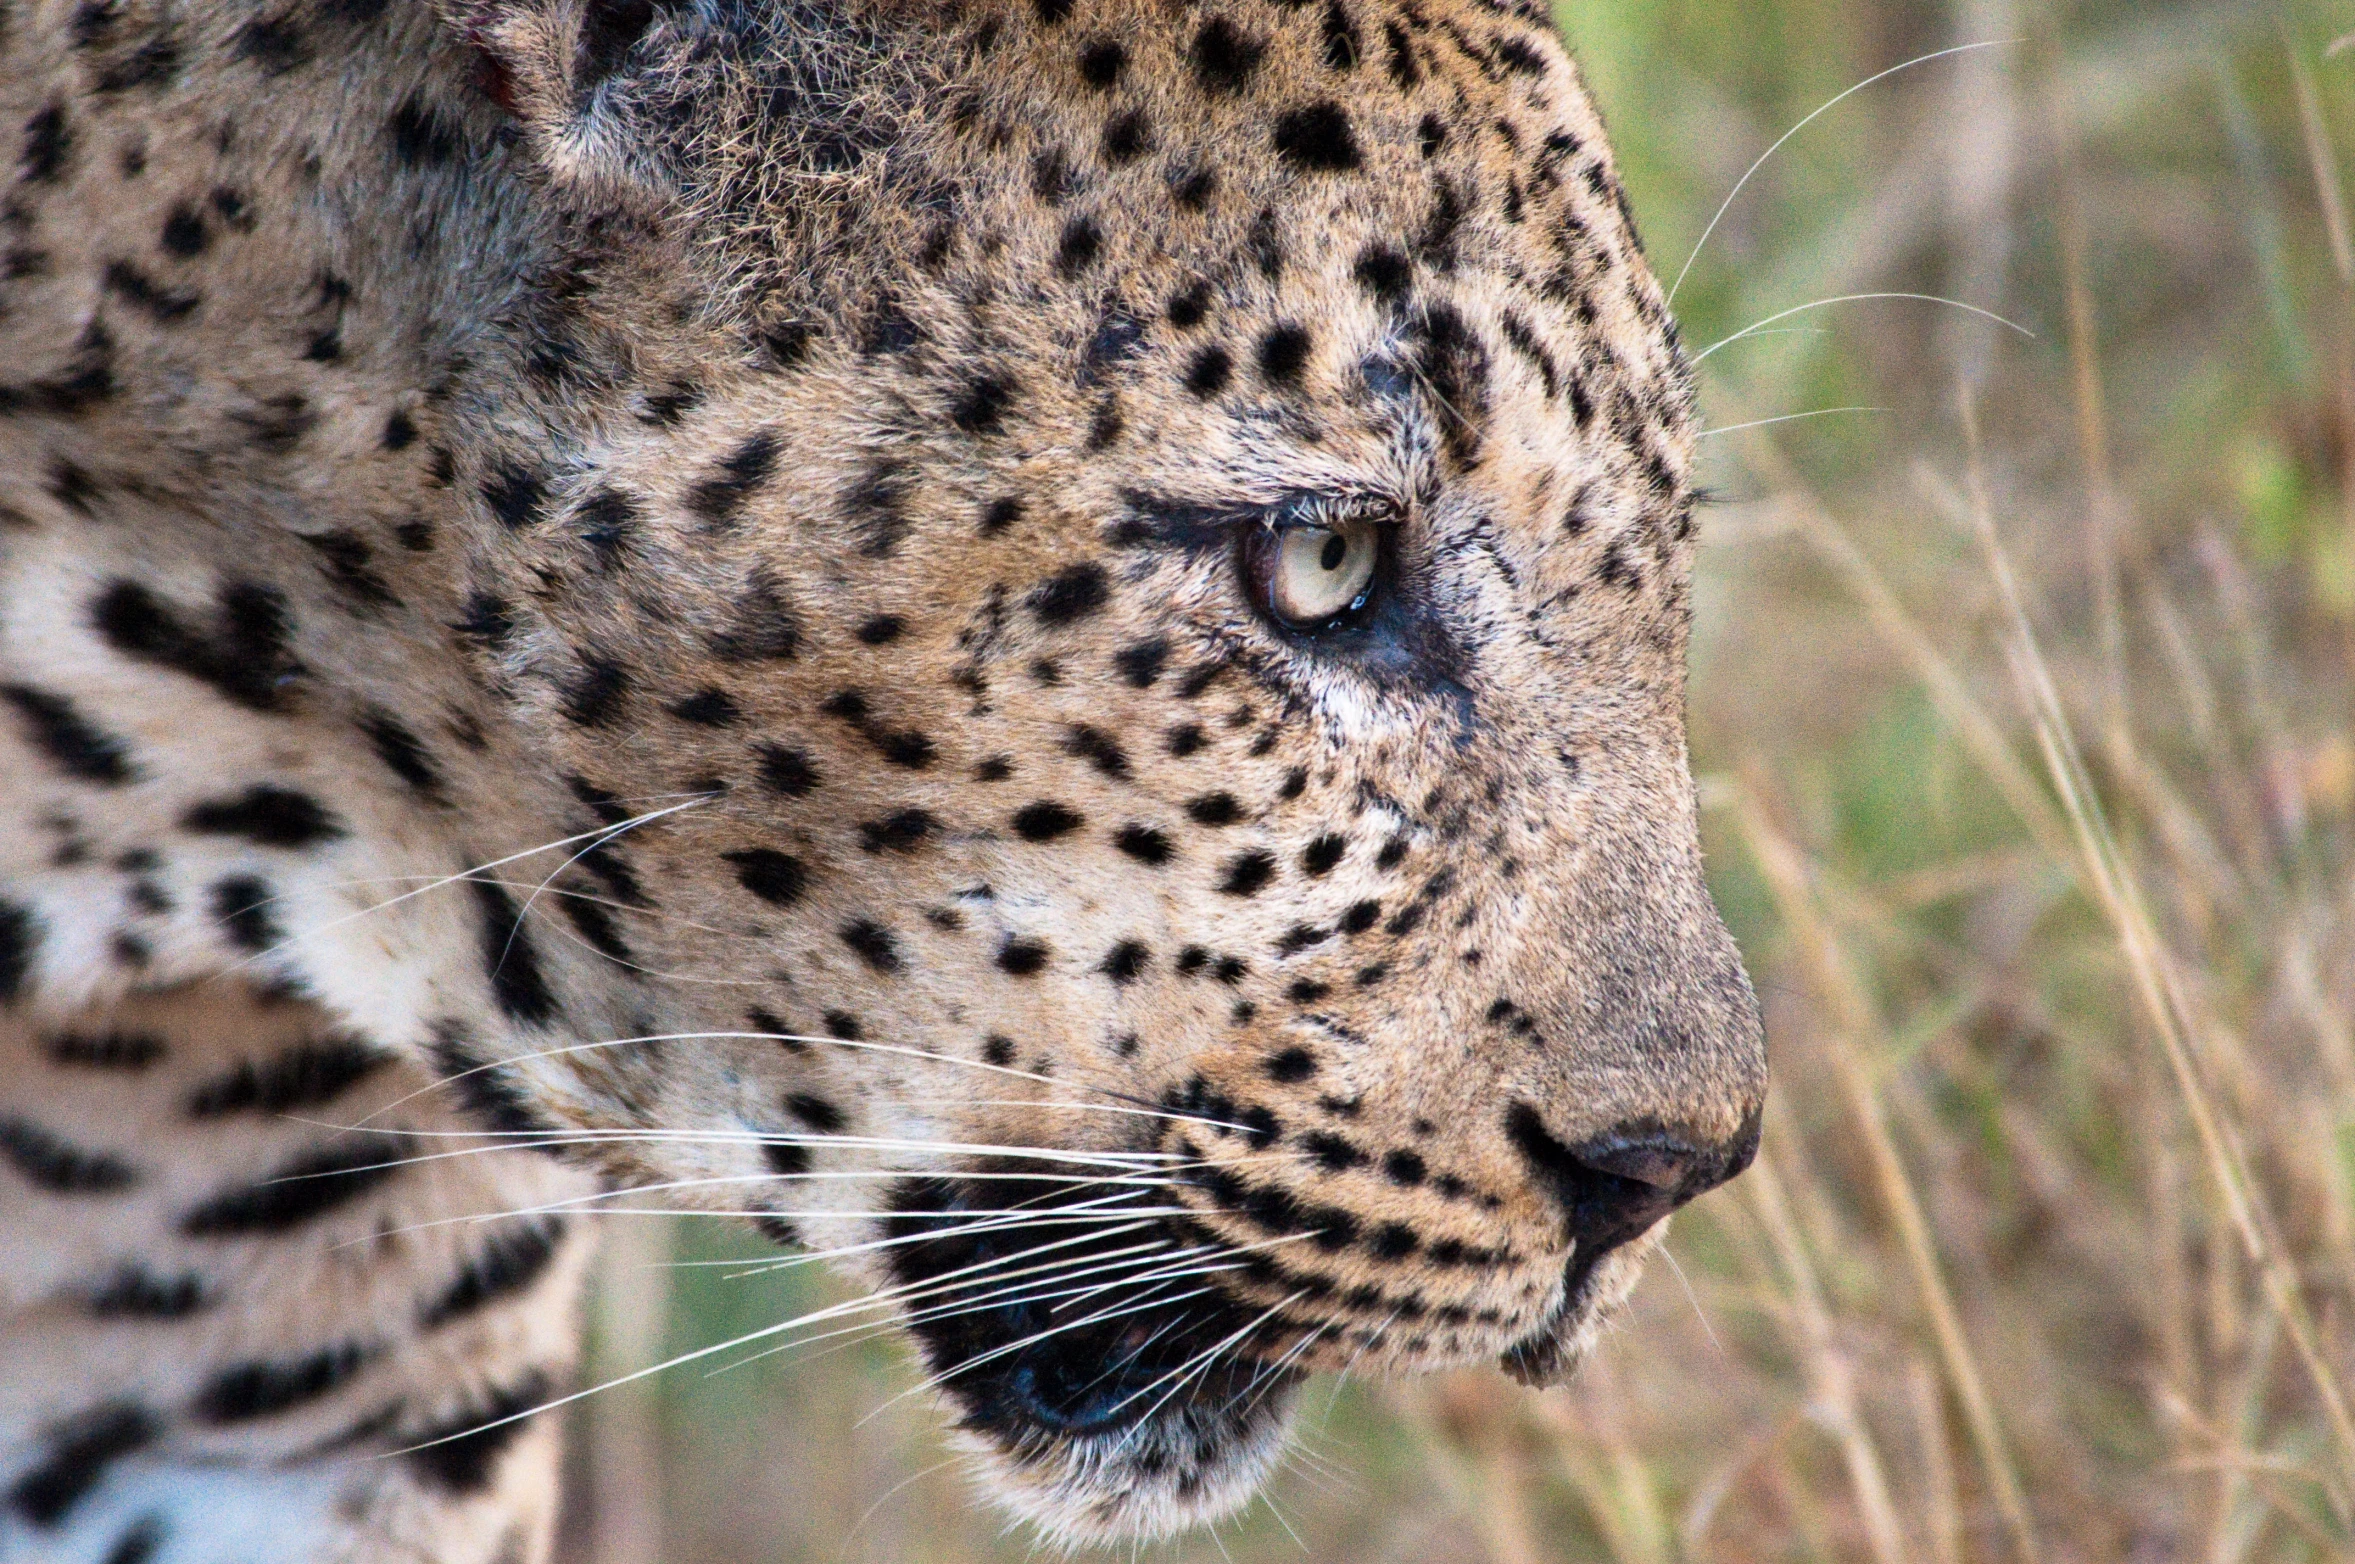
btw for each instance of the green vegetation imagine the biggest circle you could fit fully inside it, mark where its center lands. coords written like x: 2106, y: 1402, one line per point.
x: 2049, y: 886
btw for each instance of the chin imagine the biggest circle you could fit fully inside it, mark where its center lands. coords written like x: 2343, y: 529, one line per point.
x: 1195, y: 1459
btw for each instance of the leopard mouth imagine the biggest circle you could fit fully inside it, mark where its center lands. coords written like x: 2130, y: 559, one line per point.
x: 1092, y: 1356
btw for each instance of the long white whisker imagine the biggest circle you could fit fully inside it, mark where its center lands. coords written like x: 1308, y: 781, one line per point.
x: 1787, y: 418
x: 1859, y: 298
x: 603, y: 833
x: 854, y: 1044
x: 1751, y: 173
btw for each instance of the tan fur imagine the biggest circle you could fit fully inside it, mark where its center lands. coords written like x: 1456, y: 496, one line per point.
x: 710, y: 535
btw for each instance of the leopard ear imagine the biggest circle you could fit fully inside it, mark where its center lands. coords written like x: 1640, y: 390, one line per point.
x: 564, y: 70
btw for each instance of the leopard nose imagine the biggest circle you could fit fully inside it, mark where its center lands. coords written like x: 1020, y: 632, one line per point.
x: 1615, y: 1186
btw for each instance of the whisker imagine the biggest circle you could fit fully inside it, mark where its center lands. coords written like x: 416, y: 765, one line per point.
x: 1787, y: 418
x: 1858, y: 298
x: 855, y: 1044
x: 603, y: 833
x: 1743, y: 183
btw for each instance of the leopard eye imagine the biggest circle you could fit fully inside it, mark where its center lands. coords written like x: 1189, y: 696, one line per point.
x: 1310, y: 575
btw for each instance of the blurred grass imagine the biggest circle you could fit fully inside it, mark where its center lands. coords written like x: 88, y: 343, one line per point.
x: 2050, y: 895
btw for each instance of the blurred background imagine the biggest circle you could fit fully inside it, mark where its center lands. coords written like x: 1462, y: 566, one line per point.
x: 2024, y: 705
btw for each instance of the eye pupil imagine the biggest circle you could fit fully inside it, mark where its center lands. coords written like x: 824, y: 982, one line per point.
x: 1336, y: 550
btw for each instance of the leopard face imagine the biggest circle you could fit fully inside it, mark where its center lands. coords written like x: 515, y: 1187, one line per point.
x: 1116, y: 580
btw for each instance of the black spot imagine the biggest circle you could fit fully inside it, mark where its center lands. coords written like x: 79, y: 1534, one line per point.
x: 347, y: 558
x: 1300, y: 937
x: 1318, y: 138
x: 276, y: 424
x: 816, y: 1112
x: 1187, y: 739
x: 74, y: 744
x: 761, y: 627
x: 58, y: 1167
x: 460, y: 1454
x: 1022, y: 957
x: 1618, y: 570
x: 1044, y: 821
x: 489, y: 620
x: 1142, y: 663
x: 1404, y: 1167
x: 1393, y: 853
x: 1144, y: 844
x: 1393, y: 1241
x: 998, y: 1050
x: 773, y: 876
x: 1266, y: 243
x: 1098, y: 749
x: 595, y: 698
x: 509, y: 1262
x: 308, y: 1075
x: 607, y: 520
x: 1126, y: 962
x: 1283, y: 351
x: 1215, y: 809
x: 1291, y: 1066
x: 1403, y: 68
x: 241, y: 905
x: 1224, y: 56
x: 1430, y: 136
x: 129, y: 1052
x: 876, y: 506
x: 166, y: 306
x: 1071, y: 594
x: 1000, y: 515
x: 515, y: 493
x: 48, y: 142
x: 881, y: 630
x: 1307, y: 991
x: 787, y: 771
x: 1383, y: 272
x: 709, y: 708
x: 716, y: 499
x: 1189, y: 306
x: 76, y: 1456
x: 510, y: 960
x: 1248, y: 873
x: 267, y: 817
x: 267, y: 1386
x: 1323, y: 854
x: 1075, y: 252
x: 421, y: 138
x: 901, y: 832
x: 1100, y: 62
x: 785, y: 1158
x: 666, y: 407
x: 246, y: 657
x: 1052, y: 13
x: 873, y: 943
x: 595, y: 925
x: 981, y: 407
x: 486, y: 1091
x: 1331, y: 1152
x: 1361, y: 917
x: 1127, y: 137
x: 185, y: 234
x: 1343, y: 48
x: 1210, y: 371
x: 297, y: 1191
x: 134, y: 1293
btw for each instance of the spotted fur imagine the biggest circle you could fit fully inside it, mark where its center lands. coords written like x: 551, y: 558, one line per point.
x: 648, y: 593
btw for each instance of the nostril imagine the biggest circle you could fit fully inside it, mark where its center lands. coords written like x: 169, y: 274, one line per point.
x: 1614, y: 1187
x: 1660, y: 1163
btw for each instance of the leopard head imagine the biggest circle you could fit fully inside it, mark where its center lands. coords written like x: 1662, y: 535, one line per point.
x: 1121, y: 579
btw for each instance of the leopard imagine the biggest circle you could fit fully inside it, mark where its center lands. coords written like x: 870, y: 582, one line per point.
x: 1039, y: 646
